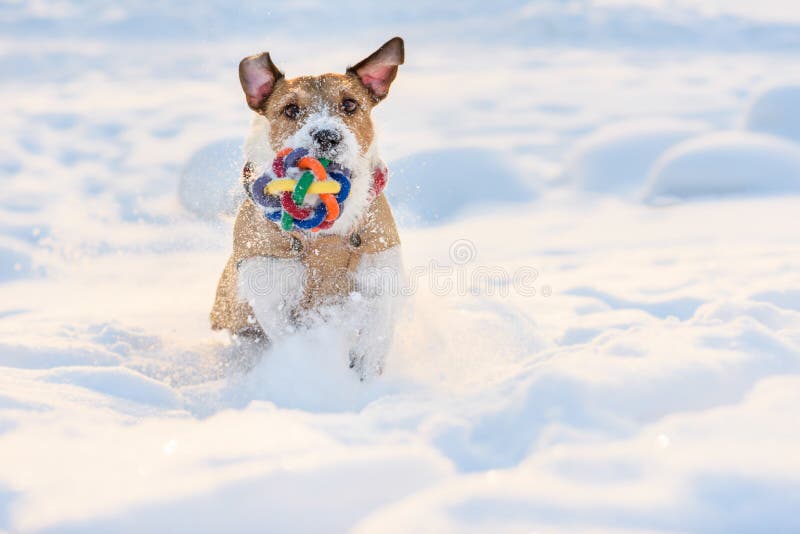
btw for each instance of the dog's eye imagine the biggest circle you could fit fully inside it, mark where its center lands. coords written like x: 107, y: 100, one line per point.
x: 291, y: 111
x: 349, y: 105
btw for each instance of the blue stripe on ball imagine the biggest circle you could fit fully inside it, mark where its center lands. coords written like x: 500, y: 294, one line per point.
x: 293, y: 157
x: 341, y: 196
x: 259, y: 195
x: 274, y: 215
x: 314, y: 220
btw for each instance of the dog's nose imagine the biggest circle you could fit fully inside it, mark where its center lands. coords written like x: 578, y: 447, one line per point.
x: 326, y: 139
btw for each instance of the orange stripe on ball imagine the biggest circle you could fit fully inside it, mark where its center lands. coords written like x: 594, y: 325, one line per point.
x: 314, y: 166
x: 333, y: 211
x: 331, y: 204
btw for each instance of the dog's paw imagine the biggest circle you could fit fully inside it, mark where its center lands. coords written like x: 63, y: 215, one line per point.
x: 273, y: 287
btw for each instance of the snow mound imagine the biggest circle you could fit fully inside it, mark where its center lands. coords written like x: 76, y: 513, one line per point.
x: 434, y: 186
x: 787, y: 298
x: 118, y: 382
x: 616, y: 157
x: 329, y: 385
x: 209, y: 183
x: 725, y: 163
x: 634, y: 484
x: 776, y: 111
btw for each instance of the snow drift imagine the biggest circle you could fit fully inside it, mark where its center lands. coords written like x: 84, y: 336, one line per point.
x: 210, y: 182
x: 616, y: 158
x: 776, y: 111
x: 725, y: 163
x: 436, y: 185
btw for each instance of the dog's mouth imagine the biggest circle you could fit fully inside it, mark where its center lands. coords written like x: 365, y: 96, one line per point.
x: 334, y: 154
x: 331, y: 151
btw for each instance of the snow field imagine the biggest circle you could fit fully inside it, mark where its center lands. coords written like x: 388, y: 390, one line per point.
x: 648, y: 384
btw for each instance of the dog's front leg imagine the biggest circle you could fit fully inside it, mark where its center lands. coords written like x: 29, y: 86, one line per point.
x: 274, y: 288
x: 378, y: 280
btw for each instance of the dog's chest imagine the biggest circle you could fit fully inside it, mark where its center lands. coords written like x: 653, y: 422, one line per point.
x: 328, y: 261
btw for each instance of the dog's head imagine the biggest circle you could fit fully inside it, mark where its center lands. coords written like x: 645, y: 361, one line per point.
x: 330, y: 114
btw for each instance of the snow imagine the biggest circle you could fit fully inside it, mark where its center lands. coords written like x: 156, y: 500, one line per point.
x: 617, y: 157
x: 725, y: 163
x: 210, y: 183
x: 768, y: 10
x: 673, y: 476
x: 16, y: 262
x: 776, y: 111
x: 598, y: 364
x: 422, y: 195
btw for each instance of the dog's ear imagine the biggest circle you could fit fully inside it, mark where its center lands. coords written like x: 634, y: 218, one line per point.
x: 258, y: 75
x: 377, y: 72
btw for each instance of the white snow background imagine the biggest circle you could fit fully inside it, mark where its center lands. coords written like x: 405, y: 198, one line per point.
x: 641, y: 155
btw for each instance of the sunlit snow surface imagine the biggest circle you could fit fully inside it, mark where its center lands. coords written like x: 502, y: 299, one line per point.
x: 640, y: 373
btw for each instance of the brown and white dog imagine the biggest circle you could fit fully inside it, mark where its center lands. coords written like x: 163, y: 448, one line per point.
x: 274, y: 279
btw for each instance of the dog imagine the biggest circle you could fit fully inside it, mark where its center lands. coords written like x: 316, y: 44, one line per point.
x: 275, y: 279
